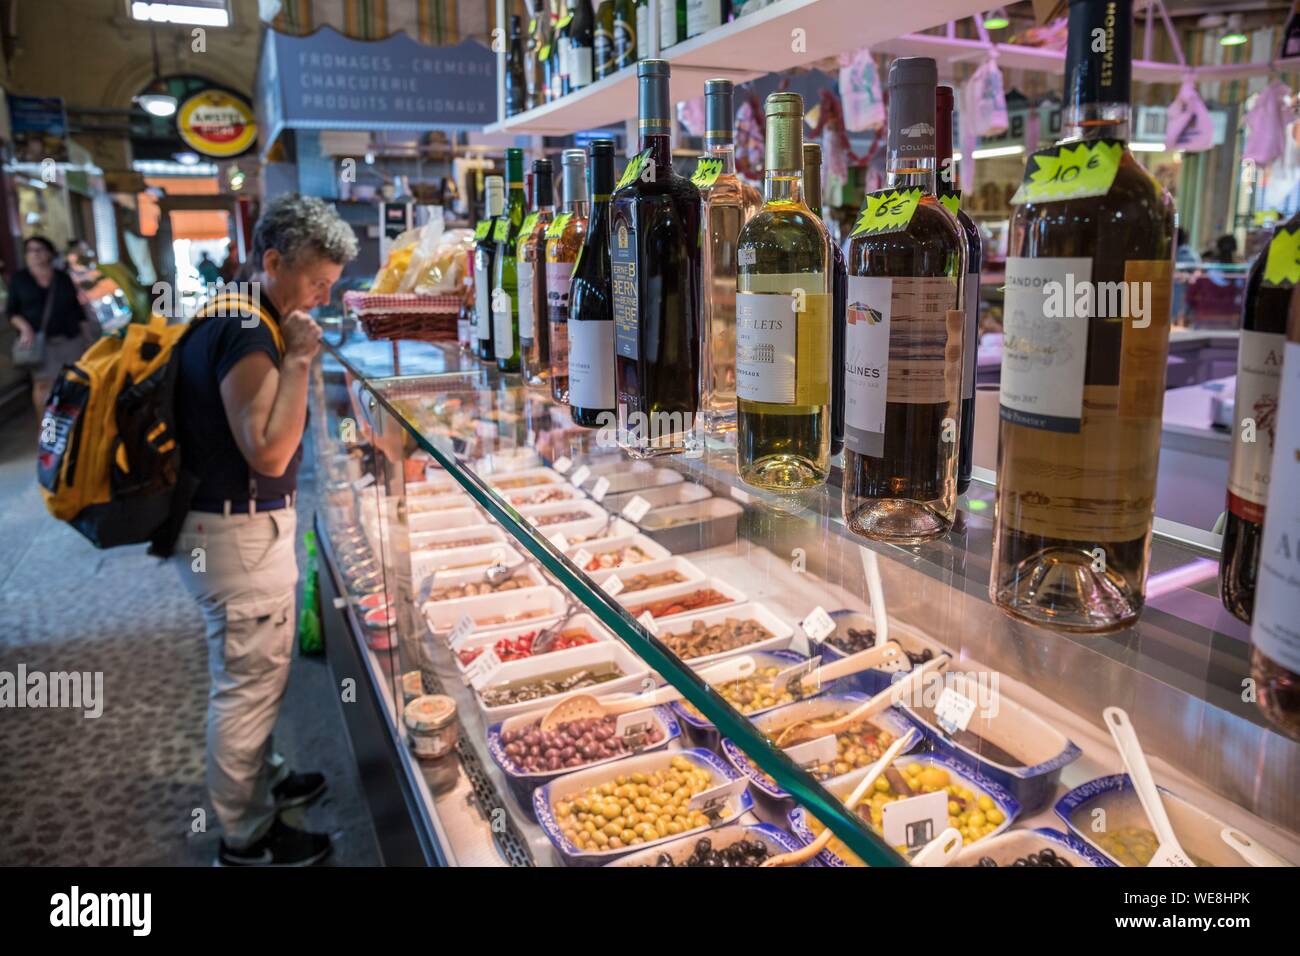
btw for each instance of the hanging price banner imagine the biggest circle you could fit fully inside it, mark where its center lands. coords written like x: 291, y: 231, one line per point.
x: 1282, y: 267
x: 889, y: 210
x: 707, y: 171
x: 1070, y: 172
x: 634, y: 168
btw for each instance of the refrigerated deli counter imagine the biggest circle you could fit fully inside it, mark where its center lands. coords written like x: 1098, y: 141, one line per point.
x: 552, y: 654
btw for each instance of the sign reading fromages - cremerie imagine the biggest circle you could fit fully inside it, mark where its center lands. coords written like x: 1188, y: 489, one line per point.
x: 217, y: 123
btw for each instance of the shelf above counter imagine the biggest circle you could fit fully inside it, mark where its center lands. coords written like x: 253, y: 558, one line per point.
x: 766, y: 41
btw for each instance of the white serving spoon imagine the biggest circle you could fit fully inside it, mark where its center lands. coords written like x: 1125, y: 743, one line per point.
x: 940, y: 851
x: 1168, y: 851
x: 1250, y: 851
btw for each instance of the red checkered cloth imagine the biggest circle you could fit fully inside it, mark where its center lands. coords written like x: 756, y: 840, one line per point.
x: 404, y: 315
x: 394, y: 303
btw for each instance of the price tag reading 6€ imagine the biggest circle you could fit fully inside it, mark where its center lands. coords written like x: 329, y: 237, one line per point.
x: 889, y: 210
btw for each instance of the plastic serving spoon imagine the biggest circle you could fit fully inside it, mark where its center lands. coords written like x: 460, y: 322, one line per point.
x: 1168, y: 851
x: 888, y: 656
x: 494, y: 575
x: 940, y: 851
x: 809, y: 729
x: 589, y: 707
x: 806, y: 853
x: 1250, y: 851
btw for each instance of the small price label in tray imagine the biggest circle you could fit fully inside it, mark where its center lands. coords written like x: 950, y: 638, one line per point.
x: 582, y: 558
x: 713, y: 802
x: 480, y: 673
x: 647, y: 620
x: 634, y: 728
x: 562, y: 464
x: 560, y: 541
x: 600, y: 489
x: 814, y: 752
x: 580, y: 475
x: 636, y: 509
x: 915, y: 821
x: 613, y: 586
x: 953, y: 711
x: 463, y: 629
x: 791, y: 679
x: 818, y: 625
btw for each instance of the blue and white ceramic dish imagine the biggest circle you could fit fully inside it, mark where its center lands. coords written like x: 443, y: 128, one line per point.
x: 700, y: 730
x: 1042, y: 749
x: 580, y: 780
x: 1010, y: 845
x: 870, y: 681
x: 522, y: 784
x: 1110, y: 803
x: 771, y: 802
x: 1010, y: 807
x: 680, y: 848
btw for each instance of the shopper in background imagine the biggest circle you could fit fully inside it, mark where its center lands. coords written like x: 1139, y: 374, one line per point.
x: 43, y: 298
x: 208, y: 270
x: 242, y: 407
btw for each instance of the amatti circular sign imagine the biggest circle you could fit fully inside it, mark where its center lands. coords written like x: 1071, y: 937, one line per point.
x: 216, y: 123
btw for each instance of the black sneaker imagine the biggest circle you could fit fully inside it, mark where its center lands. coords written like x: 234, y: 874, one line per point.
x: 281, y: 845
x: 298, y: 789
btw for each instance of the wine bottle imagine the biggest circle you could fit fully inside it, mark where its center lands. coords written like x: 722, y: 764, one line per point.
x: 603, y: 42
x: 564, y: 241
x: 783, y: 321
x: 903, y: 334
x: 564, y: 49
x: 949, y: 189
x: 466, y: 336
x: 728, y: 205
x: 812, y: 193
x: 644, y: 11
x: 1260, y: 347
x: 534, y: 335
x: 591, y: 316
x: 625, y: 27
x: 582, y: 39
x: 655, y: 264
x: 494, y: 204
x: 1275, y: 630
x: 672, y: 23
x: 505, y: 273
x: 534, y: 62
x: 1086, y: 339
x: 703, y: 15
x: 516, y: 82
x: 549, y: 51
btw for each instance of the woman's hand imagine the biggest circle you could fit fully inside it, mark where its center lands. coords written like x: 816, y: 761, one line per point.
x: 301, y: 336
x: 26, y: 334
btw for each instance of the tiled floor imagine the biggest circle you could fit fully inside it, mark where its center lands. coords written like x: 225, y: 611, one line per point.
x: 127, y: 787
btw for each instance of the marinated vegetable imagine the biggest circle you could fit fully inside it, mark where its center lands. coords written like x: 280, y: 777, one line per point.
x: 1135, y: 846
x: 752, y: 693
x: 615, y: 558
x: 520, y: 579
x: 540, y: 496
x: 570, y: 745
x: 560, y: 517
x: 634, y: 808
x: 467, y: 542
x: 517, y: 648
x: 705, y: 639
x: 532, y: 688
x: 643, y: 582
x: 694, y: 601
x: 522, y: 481
x: 859, y: 746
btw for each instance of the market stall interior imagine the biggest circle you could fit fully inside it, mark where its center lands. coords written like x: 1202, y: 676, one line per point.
x: 727, y: 533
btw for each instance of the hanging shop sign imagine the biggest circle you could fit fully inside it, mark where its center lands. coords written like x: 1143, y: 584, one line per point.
x: 329, y: 81
x: 217, y: 123
x: 39, y: 128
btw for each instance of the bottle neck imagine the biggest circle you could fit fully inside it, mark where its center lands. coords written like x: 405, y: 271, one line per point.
x: 783, y: 185
x: 946, y: 181
x: 660, y: 147
x: 577, y: 207
x: 910, y: 172
x: 725, y: 152
x: 1096, y: 121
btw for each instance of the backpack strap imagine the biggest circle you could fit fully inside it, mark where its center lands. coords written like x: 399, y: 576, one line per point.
x: 230, y: 304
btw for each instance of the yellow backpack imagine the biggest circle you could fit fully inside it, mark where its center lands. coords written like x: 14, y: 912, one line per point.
x: 109, y: 459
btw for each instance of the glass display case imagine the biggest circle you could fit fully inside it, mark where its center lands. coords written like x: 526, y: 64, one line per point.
x: 466, y: 523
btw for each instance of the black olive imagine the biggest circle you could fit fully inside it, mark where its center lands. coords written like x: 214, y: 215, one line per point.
x: 987, y: 861
x: 1046, y: 854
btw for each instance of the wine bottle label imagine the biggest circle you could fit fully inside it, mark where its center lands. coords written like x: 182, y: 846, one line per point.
x: 579, y: 66
x: 642, y: 31
x: 971, y: 337
x: 1259, y: 375
x: 1043, y: 357
x: 623, y: 276
x: 503, y: 326
x: 558, y: 341
x: 527, y: 307
x: 591, y: 364
x: 771, y: 366
x: 702, y: 15
x: 558, y: 277
x: 625, y: 42
x: 901, y: 337
x: 482, y: 297
x: 603, y: 44
x: 668, y: 23
x: 1276, y: 626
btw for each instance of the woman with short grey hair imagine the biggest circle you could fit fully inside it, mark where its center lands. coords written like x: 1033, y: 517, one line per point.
x: 242, y: 408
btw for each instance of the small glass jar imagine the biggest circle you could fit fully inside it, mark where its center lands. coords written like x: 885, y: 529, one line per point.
x: 412, y: 686
x: 431, y: 722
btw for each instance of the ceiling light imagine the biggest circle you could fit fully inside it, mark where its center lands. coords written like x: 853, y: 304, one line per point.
x: 209, y: 14
x: 997, y: 20
x: 1233, y: 36
x: 157, y: 103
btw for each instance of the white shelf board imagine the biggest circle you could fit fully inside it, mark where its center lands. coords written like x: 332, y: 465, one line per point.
x: 751, y: 46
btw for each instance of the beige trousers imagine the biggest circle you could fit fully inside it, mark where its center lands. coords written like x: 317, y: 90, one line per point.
x: 243, y: 571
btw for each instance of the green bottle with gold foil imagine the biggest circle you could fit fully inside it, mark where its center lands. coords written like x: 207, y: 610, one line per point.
x: 505, y: 267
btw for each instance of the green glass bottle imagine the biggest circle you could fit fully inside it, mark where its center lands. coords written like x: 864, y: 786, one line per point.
x: 505, y: 271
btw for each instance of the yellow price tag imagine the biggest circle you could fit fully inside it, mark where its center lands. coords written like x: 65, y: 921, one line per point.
x: 951, y: 202
x: 889, y: 210
x: 633, y: 170
x: 707, y: 171
x: 1070, y: 172
x: 482, y: 229
x: 529, y: 221
x: 1282, y: 267
x: 564, y: 21
x: 544, y: 52
x: 501, y: 232
x: 556, y: 228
